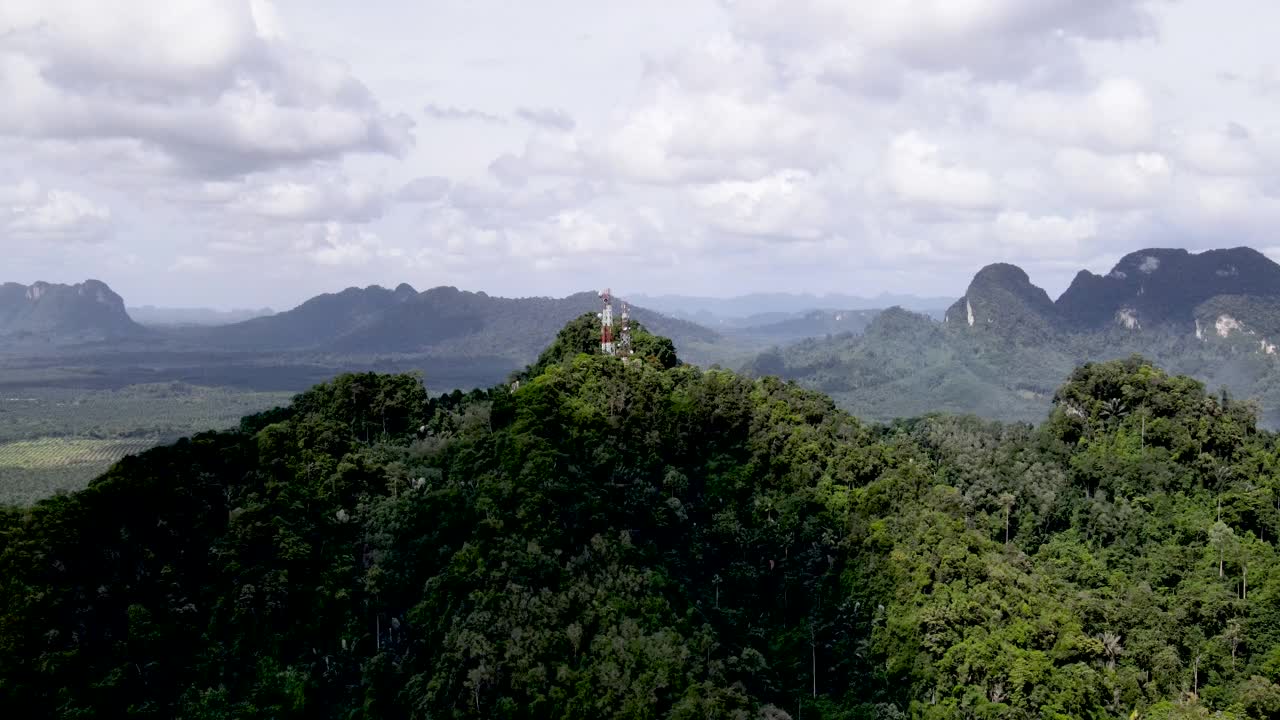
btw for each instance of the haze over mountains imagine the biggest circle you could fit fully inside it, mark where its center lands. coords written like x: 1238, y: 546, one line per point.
x: 999, y: 351
x: 152, y: 315
x: 756, y: 306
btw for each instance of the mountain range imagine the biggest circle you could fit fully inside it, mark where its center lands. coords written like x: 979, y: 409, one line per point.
x: 64, y: 334
x: 1003, y: 347
x: 999, y: 351
x: 441, y: 321
x: 1167, y: 289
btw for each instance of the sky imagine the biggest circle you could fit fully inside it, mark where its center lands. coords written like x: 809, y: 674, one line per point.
x: 242, y: 153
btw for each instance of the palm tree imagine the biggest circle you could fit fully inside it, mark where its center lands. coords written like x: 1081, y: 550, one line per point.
x: 1111, y: 647
x: 1006, y: 501
x: 1113, y: 409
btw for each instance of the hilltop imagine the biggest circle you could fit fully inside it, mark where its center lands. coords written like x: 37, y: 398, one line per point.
x: 51, y: 312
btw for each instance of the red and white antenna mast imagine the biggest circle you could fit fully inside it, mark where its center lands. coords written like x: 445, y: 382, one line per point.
x: 606, y: 324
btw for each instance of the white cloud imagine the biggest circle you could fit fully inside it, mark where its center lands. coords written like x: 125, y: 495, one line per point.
x: 787, y: 204
x: 917, y: 172
x: 1045, y: 235
x: 314, y: 200
x: 1116, y: 115
x: 230, y: 97
x: 767, y: 138
x: 1229, y: 150
x: 427, y: 189
x: 1115, y: 181
x: 997, y: 39
x: 32, y: 213
x: 680, y: 138
x: 334, y: 244
x: 192, y: 264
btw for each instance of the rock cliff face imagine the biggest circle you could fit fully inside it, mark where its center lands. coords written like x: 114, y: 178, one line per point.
x: 1216, y: 293
x: 1153, y: 288
x: 1002, y: 298
x: 88, y: 310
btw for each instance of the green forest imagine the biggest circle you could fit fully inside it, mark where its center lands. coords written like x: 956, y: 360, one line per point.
x: 647, y: 539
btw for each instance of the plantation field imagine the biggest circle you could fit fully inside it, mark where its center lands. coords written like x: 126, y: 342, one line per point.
x: 54, y: 439
x: 33, y: 469
x: 48, y: 453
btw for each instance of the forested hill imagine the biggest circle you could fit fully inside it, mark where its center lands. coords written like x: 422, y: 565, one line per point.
x: 1004, y: 347
x: 441, y: 321
x: 651, y: 540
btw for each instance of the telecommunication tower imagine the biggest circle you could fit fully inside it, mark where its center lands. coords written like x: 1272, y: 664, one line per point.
x: 624, y: 339
x: 606, y: 325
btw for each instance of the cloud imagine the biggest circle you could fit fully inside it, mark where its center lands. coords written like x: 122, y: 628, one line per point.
x: 448, y: 113
x: 30, y: 213
x: 787, y: 204
x: 917, y: 173
x: 320, y: 199
x: 548, y: 118
x: 1051, y: 235
x: 192, y: 264
x: 232, y: 98
x: 988, y: 39
x: 1117, y: 114
x: 334, y: 244
x: 1114, y: 181
x: 694, y: 138
x: 1228, y: 150
x: 428, y: 189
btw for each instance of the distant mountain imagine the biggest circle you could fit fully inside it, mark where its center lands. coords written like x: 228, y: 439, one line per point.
x: 54, y: 312
x: 1156, y: 287
x: 710, y: 310
x: 152, y: 315
x: 783, y: 328
x: 442, y: 322
x: 316, y: 323
x: 1002, y: 299
x: 1005, y: 345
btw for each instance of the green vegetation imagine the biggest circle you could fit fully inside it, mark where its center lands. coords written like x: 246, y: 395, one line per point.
x: 56, y: 452
x: 55, y: 439
x: 34, y: 469
x: 650, y: 540
x: 908, y: 365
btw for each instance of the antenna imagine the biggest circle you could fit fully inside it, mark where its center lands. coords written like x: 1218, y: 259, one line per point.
x: 624, y: 340
x: 606, y: 324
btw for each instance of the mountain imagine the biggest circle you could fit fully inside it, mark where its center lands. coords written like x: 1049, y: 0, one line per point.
x: 1001, y: 297
x: 790, y: 328
x: 313, y: 324
x: 86, y: 311
x: 1161, y: 287
x: 1004, y: 346
x: 906, y: 364
x: 152, y: 315
x: 712, y: 311
x: 442, y: 321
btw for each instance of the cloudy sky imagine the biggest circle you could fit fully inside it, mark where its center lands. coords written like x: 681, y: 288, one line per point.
x: 249, y: 152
